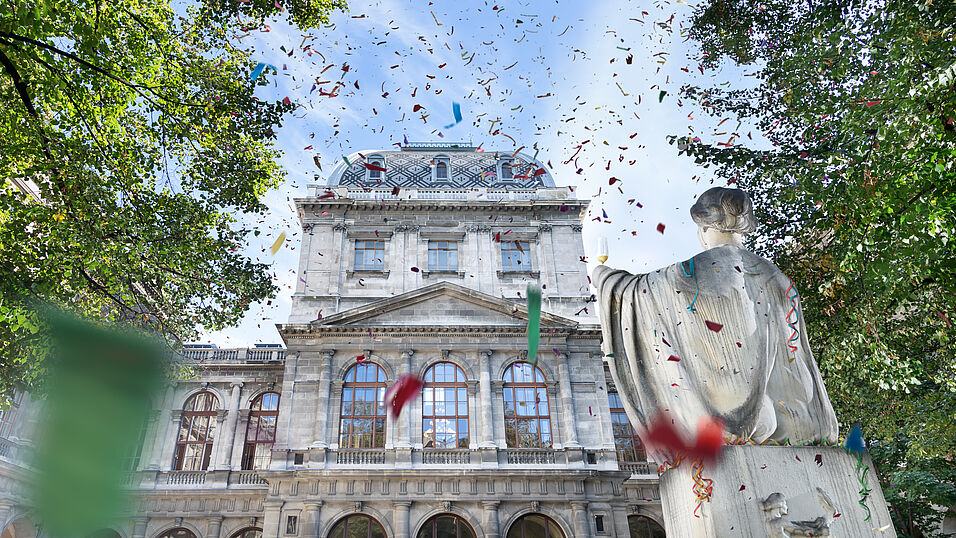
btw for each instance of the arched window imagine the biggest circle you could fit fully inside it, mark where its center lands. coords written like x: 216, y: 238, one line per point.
x: 628, y: 444
x: 527, y: 413
x: 197, y: 431
x: 357, y: 526
x: 535, y: 526
x: 363, y: 407
x: 644, y: 527
x: 442, y: 167
x: 248, y: 532
x: 506, y: 172
x: 445, y: 407
x: 446, y: 526
x: 178, y: 533
x: 378, y: 161
x: 104, y: 533
x: 261, y: 431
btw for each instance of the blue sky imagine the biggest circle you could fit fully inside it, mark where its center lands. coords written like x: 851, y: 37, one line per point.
x: 553, y: 76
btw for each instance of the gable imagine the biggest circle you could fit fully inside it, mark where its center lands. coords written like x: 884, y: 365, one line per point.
x: 441, y: 304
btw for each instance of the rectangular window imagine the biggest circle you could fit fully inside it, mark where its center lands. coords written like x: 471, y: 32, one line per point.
x: 369, y: 255
x: 515, y: 255
x: 292, y: 524
x: 443, y: 255
x: 599, y: 523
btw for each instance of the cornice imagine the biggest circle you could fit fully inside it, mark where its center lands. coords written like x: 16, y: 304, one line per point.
x: 299, y: 332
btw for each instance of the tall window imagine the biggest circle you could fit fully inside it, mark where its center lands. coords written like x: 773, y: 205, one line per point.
x: 515, y: 256
x: 628, y: 444
x: 261, y: 431
x: 443, y: 255
x: 375, y: 160
x: 248, y: 532
x: 535, y: 526
x: 527, y: 415
x: 644, y: 527
x: 445, y: 407
x: 369, y: 255
x: 178, y: 533
x: 357, y: 526
x: 363, y: 407
x: 197, y: 430
x: 446, y: 526
x: 8, y: 417
x: 506, y: 172
x: 441, y: 167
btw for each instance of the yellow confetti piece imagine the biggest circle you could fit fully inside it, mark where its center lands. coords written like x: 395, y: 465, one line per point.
x: 278, y: 244
x: 59, y: 217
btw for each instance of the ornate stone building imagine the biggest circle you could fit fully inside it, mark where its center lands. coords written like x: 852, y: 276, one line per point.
x: 413, y: 261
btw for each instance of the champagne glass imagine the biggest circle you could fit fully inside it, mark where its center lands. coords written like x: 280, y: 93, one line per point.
x: 602, y: 250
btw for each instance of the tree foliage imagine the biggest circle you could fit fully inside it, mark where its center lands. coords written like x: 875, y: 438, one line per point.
x: 131, y: 146
x: 846, y: 143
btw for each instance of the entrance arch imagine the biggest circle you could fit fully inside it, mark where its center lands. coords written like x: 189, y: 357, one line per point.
x: 644, y: 527
x: 535, y: 526
x: 357, y: 526
x: 446, y: 525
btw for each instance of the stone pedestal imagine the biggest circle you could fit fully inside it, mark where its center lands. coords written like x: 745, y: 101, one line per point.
x: 782, y: 488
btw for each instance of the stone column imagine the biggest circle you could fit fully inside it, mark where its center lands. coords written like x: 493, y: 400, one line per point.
x: 229, y: 431
x: 487, y: 437
x: 160, y: 432
x: 214, y: 527
x: 401, y: 509
x: 404, y: 426
x: 218, y: 442
x: 567, y: 402
x: 169, y: 442
x: 272, y: 518
x: 322, y: 402
x: 139, y: 527
x: 579, y: 516
x: 490, y: 522
x: 311, y: 517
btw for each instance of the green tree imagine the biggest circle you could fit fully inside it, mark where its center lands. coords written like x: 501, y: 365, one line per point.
x: 131, y: 148
x: 848, y: 152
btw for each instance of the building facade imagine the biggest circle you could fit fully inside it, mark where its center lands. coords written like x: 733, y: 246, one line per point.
x: 413, y: 261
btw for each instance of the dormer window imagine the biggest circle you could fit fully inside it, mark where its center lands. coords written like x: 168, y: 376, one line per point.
x: 442, y: 168
x: 506, y: 172
x: 376, y: 162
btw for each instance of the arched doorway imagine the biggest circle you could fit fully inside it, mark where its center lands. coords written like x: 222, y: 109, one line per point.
x: 535, y: 526
x: 20, y: 528
x: 357, y: 526
x: 446, y: 526
x: 644, y: 527
x: 248, y: 532
x: 178, y: 533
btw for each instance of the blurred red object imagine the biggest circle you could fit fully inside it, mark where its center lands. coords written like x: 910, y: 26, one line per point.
x: 662, y: 435
x: 402, y: 392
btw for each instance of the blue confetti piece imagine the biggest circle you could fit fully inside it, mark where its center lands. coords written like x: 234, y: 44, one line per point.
x: 456, y: 111
x: 257, y: 71
x: 854, y: 442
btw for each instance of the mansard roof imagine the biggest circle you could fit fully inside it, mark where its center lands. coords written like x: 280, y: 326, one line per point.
x: 411, y: 166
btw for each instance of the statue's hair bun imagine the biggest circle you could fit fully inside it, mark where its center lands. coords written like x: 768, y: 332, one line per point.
x: 727, y: 210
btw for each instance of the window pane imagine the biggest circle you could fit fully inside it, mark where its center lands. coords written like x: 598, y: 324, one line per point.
x: 542, y: 398
x: 534, y: 527
x: 462, y: 402
x: 462, y: 433
x: 428, y: 433
x: 432, y: 260
x: 428, y: 401
x: 357, y: 527
x: 447, y: 527
x: 509, y: 402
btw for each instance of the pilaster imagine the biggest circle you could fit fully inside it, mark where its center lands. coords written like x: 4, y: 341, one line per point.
x: 400, y: 513
x: 579, y: 516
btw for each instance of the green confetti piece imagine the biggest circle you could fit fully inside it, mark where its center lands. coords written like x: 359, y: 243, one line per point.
x: 534, y: 322
x: 347, y: 163
x: 660, y: 99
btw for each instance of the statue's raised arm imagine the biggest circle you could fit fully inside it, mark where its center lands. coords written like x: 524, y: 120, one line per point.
x: 721, y: 335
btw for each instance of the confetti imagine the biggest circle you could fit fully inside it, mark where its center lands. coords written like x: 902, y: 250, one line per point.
x: 456, y: 111
x: 534, y: 321
x: 716, y: 327
x: 404, y: 391
x: 660, y: 227
x: 278, y: 243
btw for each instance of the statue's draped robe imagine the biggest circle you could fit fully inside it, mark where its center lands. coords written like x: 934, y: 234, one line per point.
x: 745, y: 373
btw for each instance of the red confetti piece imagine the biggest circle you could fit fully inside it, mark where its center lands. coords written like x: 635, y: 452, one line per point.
x: 818, y: 459
x: 415, y: 269
x: 674, y: 358
x: 396, y: 190
x: 742, y: 487
x: 739, y: 344
x: 404, y: 391
x: 660, y: 227
x: 716, y: 327
x: 798, y: 458
x: 360, y: 359
x: 375, y: 168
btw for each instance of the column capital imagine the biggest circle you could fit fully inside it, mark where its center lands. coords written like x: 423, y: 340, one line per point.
x: 318, y: 503
x: 490, y: 505
x: 579, y: 505
x: 327, y: 353
x: 215, y: 519
x: 404, y: 505
x: 486, y: 353
x: 236, y: 384
x: 407, y: 353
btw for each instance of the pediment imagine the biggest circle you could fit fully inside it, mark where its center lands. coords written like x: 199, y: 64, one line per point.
x: 441, y: 304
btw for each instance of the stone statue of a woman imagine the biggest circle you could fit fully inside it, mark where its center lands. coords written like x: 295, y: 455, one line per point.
x: 720, y: 335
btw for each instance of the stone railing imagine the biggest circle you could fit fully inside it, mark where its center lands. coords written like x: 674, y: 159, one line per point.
x: 445, y: 457
x: 186, y: 478
x: 530, y: 456
x: 247, y: 478
x: 360, y: 456
x: 638, y: 467
x: 233, y: 355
